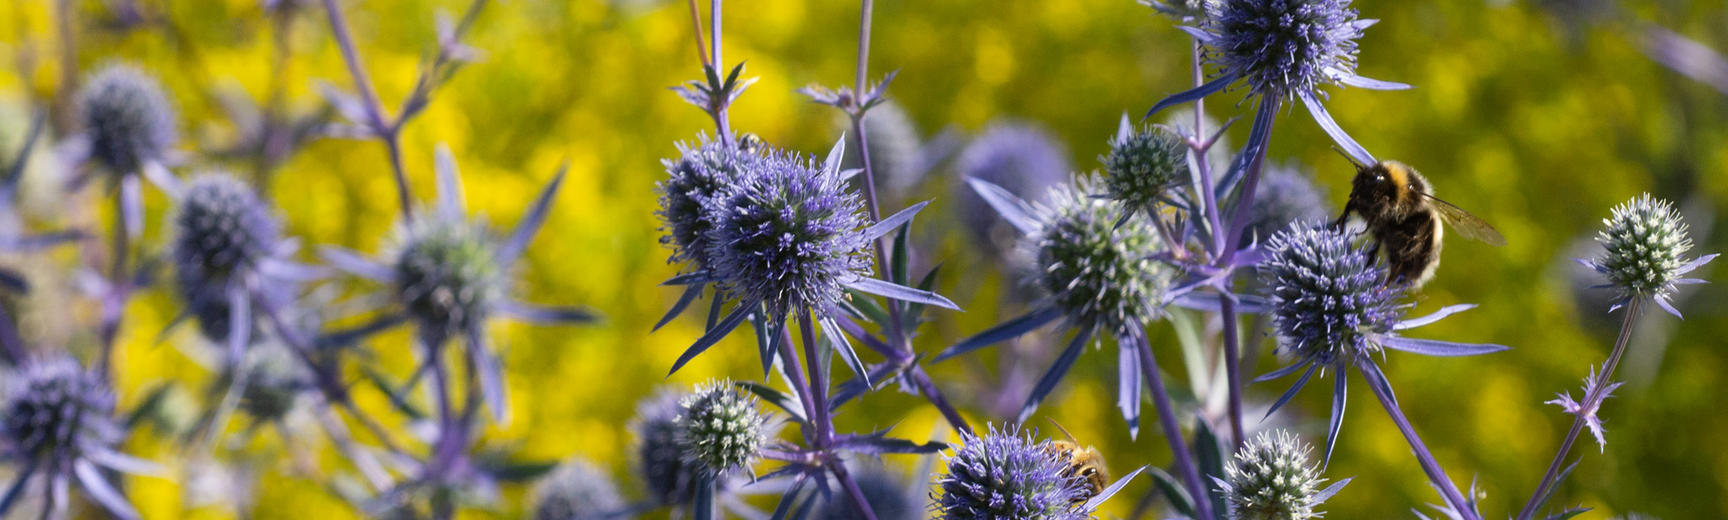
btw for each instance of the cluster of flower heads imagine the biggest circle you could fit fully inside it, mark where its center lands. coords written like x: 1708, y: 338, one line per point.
x: 1272, y: 478
x: 1007, y: 474
x: 694, y: 180
x: 1645, y: 244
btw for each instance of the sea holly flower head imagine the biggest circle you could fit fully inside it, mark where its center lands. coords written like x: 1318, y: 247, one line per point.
x: 449, y: 274
x: 1272, y: 478
x: 1645, y: 243
x: 1095, y: 260
x: 127, y: 118
x: 1284, y: 47
x: 1332, y: 308
x: 694, y: 180
x: 1144, y: 164
x: 275, y: 380
x: 57, y: 419
x: 1007, y: 474
x: 1328, y: 297
x: 228, y: 247
x: 720, y: 428
x: 576, y: 490
x: 659, y: 462
x: 786, y: 233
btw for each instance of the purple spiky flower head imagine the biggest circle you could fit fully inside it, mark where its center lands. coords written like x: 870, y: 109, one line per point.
x: 576, y: 490
x: 698, y: 176
x: 788, y: 233
x: 1095, y: 258
x: 1645, y: 243
x: 1284, y: 48
x: 1021, y: 158
x: 1007, y: 474
x: 127, y: 117
x: 57, y: 418
x: 659, y: 462
x: 447, y: 275
x: 223, y: 233
x: 1328, y: 297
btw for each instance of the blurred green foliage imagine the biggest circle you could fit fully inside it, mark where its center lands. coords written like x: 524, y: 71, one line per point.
x: 1536, y: 116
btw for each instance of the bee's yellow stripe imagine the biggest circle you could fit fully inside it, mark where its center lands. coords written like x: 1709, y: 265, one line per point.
x: 1399, y: 174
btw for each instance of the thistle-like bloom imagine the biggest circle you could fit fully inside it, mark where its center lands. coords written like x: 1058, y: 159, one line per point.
x: 1645, y: 244
x: 788, y: 237
x: 694, y: 180
x: 1284, y: 50
x: 228, y: 254
x: 577, y: 490
x: 274, y: 381
x: 449, y: 275
x: 720, y: 429
x: 659, y: 462
x: 1095, y: 263
x: 1023, y: 159
x: 1588, y: 412
x: 1331, y: 308
x: 127, y: 119
x: 1271, y: 478
x: 1007, y: 474
x: 57, y: 423
x: 1143, y: 165
x: 888, y: 496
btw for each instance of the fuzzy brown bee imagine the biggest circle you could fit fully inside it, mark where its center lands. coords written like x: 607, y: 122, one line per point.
x: 1083, y: 463
x: 1405, y: 219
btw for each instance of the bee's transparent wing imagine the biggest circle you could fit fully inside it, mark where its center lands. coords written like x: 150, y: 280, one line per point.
x: 1466, y: 224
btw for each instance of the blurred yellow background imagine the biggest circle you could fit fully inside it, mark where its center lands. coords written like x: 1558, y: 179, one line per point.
x: 1536, y: 116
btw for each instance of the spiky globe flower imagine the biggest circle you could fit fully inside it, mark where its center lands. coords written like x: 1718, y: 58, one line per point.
x: 720, y: 428
x: 222, y: 232
x: 1021, y: 158
x: 1272, y: 478
x: 888, y: 496
x: 1143, y: 164
x: 788, y: 233
x: 1098, y: 273
x: 1284, y: 48
x: 54, y: 409
x: 1645, y: 244
x: 700, y: 174
x: 447, y: 274
x: 577, y: 490
x: 894, y: 148
x: 659, y: 462
x: 127, y: 118
x: 1006, y: 474
x: 1327, y: 295
x: 1287, y: 194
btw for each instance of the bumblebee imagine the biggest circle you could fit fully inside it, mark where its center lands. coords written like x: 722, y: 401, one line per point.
x: 1405, y: 219
x: 1083, y: 463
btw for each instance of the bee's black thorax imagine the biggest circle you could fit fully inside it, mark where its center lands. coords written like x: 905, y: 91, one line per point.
x: 1392, y: 199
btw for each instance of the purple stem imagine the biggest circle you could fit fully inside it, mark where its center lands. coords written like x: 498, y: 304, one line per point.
x: 1172, y: 431
x: 934, y: 395
x: 374, y: 109
x: 817, y: 398
x: 722, y: 123
x: 858, y: 500
x: 1592, y: 400
x: 118, y: 290
x: 1436, y: 474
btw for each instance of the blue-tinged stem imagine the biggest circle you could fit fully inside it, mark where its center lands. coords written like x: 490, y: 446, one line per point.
x: 119, y: 288
x: 934, y: 395
x: 1592, y: 400
x: 790, y: 358
x: 818, y: 392
x: 1227, y: 256
x: 1173, y: 431
x: 1208, y: 194
x: 1430, y: 466
x: 374, y: 109
x: 858, y: 501
x: 720, y: 119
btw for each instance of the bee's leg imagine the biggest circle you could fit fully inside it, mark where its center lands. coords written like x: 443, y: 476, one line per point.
x: 1343, y: 217
x: 1373, y: 252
